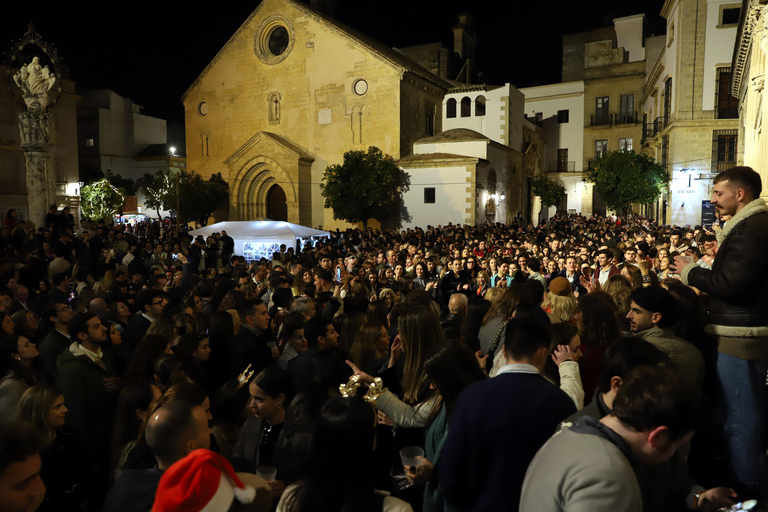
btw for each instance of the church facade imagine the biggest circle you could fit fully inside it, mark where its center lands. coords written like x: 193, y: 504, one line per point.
x: 288, y: 95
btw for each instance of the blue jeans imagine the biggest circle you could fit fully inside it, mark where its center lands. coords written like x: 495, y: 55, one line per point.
x: 744, y: 401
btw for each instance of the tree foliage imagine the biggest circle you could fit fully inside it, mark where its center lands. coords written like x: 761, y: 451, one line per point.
x: 126, y: 185
x: 368, y: 185
x: 199, y: 197
x: 549, y: 190
x: 100, y: 200
x: 159, y: 190
x: 625, y: 177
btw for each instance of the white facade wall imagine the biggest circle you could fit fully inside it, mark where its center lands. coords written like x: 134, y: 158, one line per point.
x: 549, y: 99
x: 473, y: 148
x: 497, y: 116
x: 450, y: 196
x: 629, y: 35
x: 719, y: 48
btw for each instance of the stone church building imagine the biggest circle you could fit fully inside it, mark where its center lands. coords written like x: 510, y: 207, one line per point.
x: 288, y: 95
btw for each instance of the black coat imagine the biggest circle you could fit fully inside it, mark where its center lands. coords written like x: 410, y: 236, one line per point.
x: 736, y: 287
x: 248, y: 347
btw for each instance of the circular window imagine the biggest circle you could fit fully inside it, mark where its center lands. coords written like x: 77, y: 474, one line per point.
x: 202, y: 108
x: 360, y: 87
x: 274, y: 39
x: 278, y: 41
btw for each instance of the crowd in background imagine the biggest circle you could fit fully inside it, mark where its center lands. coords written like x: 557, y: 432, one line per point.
x: 136, y: 355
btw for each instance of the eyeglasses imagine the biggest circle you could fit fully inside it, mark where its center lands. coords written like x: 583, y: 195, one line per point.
x: 156, y: 303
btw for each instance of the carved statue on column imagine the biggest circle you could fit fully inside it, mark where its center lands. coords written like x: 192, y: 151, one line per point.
x: 35, y: 80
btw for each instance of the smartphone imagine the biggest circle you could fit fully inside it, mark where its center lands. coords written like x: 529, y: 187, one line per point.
x: 338, y: 274
x: 744, y: 505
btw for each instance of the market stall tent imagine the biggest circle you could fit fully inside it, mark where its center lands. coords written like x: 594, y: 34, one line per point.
x: 256, y: 239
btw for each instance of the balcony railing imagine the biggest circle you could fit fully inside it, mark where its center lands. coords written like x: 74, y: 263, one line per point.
x: 602, y: 119
x: 728, y: 112
x: 625, y: 118
x: 562, y: 166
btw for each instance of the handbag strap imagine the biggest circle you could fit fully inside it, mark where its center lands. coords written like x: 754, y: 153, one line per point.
x: 497, y: 339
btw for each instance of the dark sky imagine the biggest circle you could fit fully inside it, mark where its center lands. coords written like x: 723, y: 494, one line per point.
x: 152, y: 51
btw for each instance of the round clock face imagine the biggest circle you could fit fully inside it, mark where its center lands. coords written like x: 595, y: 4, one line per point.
x: 202, y: 108
x: 361, y: 87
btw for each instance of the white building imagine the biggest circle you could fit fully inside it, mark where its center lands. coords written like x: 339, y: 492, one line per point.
x: 690, y: 118
x: 459, y: 176
x: 559, y: 110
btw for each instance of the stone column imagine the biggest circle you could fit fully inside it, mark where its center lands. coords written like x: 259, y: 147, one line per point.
x: 35, y: 136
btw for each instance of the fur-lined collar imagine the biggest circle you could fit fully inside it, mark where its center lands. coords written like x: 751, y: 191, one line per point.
x: 754, y: 207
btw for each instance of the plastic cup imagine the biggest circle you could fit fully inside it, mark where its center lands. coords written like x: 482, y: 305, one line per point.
x: 268, y: 473
x: 688, y: 259
x: 411, y: 456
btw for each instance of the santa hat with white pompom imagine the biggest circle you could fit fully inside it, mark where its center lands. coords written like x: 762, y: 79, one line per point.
x: 203, y: 481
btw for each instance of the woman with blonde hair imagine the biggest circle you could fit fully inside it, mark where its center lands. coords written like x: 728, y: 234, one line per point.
x: 560, y: 301
x: 100, y: 287
x: 64, y: 469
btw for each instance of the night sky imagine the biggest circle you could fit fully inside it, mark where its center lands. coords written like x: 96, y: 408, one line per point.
x: 151, y: 52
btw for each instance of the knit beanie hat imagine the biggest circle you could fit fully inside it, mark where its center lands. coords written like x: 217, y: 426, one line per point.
x: 203, y: 481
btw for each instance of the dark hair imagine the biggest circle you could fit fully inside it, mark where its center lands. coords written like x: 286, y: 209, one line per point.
x: 562, y: 334
x: 59, y: 278
x: 656, y: 396
x: 625, y: 354
x: 656, y: 300
x: 514, y: 296
x: 221, y: 328
x: 742, y: 177
x: 325, y: 375
x: 145, y: 298
x: 273, y: 380
x: 229, y: 402
x: 168, y: 371
x: 525, y: 335
x: 248, y: 308
x: 9, y: 345
x: 18, y: 442
x: 451, y: 367
x: 128, y: 426
x: 534, y: 264
x: 344, y: 432
x: 607, y: 252
x: 314, y: 328
x: 142, y: 365
x: 292, y: 323
x: 597, y: 324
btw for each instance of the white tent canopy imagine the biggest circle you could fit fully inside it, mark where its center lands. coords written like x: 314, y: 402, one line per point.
x: 257, y: 239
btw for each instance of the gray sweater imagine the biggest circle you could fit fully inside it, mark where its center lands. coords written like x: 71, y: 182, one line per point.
x: 581, y: 469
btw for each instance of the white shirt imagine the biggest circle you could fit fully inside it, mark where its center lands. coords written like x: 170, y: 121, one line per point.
x: 517, y: 368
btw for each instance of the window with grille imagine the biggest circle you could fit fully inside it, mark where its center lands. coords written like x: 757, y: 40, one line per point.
x: 726, y: 106
x: 563, y: 116
x: 724, y: 145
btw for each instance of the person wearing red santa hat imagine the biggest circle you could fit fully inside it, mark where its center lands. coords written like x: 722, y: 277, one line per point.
x: 204, y: 481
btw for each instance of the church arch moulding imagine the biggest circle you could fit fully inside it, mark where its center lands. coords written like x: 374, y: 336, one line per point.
x: 251, y: 187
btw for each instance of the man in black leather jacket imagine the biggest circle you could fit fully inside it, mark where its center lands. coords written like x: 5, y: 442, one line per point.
x: 738, y: 315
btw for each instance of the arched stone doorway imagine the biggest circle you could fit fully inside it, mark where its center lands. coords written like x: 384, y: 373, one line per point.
x: 277, y: 208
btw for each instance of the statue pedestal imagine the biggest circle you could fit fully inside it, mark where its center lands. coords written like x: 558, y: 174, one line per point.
x: 41, y: 187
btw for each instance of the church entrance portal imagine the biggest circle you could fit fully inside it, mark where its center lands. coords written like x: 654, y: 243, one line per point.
x: 277, y: 209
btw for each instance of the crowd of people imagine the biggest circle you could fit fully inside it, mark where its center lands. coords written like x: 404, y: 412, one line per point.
x: 584, y: 364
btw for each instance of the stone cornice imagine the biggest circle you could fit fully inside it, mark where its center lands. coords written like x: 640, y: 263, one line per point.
x: 750, y: 15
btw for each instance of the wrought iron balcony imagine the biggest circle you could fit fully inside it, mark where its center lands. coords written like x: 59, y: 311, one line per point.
x: 625, y: 118
x: 562, y: 166
x: 602, y: 119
